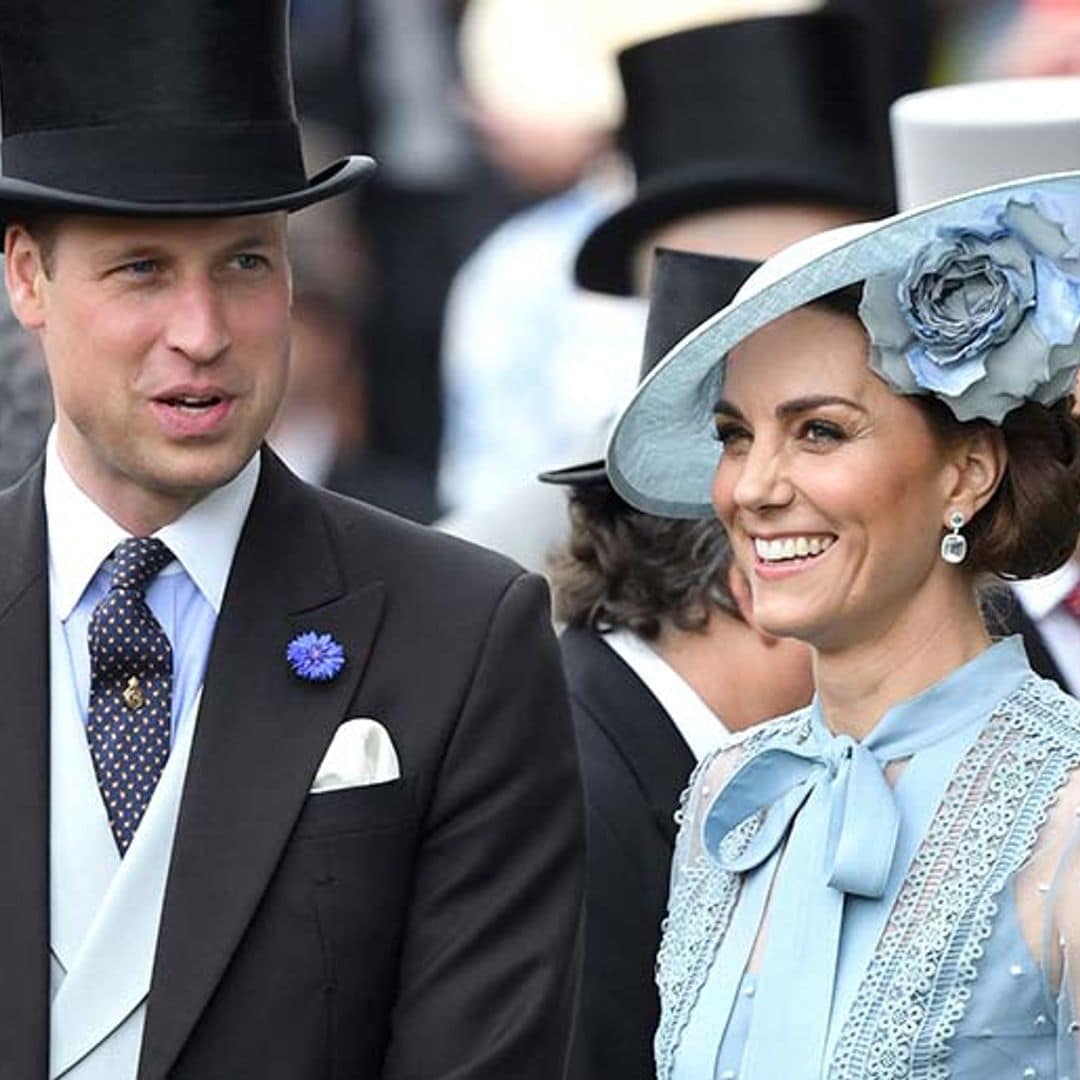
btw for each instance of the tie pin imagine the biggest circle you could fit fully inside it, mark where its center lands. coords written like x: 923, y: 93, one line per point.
x: 133, y: 694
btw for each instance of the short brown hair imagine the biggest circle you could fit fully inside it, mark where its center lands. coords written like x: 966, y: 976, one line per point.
x: 1031, y: 524
x: 43, y: 231
x: 625, y: 569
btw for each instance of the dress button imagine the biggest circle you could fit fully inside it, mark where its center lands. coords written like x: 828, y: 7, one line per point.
x: 728, y: 1074
x: 1030, y: 1073
x: 1040, y: 1020
x: 749, y: 990
x: 1016, y: 970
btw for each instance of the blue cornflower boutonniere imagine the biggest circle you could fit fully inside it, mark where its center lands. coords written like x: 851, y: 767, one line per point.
x: 315, y: 657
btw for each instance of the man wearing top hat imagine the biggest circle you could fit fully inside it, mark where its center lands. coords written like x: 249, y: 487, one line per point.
x: 288, y: 786
x: 744, y: 135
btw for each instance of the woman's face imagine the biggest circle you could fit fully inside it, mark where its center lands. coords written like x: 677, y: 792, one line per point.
x: 833, y: 489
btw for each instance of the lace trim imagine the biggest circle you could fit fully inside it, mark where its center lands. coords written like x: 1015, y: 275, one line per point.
x: 918, y: 984
x: 702, y: 900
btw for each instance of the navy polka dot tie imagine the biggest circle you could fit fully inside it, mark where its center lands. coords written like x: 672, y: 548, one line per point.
x: 130, y: 688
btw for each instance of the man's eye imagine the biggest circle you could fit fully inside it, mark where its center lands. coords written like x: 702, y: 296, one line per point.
x: 247, y: 261
x: 140, y: 267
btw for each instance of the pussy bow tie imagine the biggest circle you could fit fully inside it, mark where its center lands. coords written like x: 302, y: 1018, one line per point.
x: 863, y: 820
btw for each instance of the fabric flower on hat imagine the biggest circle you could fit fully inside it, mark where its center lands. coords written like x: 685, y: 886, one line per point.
x: 985, y: 316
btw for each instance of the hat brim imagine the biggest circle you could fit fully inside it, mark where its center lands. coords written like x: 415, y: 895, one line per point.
x: 605, y: 261
x: 661, y: 455
x: 586, y: 474
x: 19, y: 198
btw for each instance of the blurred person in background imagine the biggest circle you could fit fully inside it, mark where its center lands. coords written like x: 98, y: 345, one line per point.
x: 386, y: 72
x: 532, y: 367
x: 663, y: 662
x: 955, y: 139
x: 26, y: 410
x: 725, y: 163
x: 323, y: 428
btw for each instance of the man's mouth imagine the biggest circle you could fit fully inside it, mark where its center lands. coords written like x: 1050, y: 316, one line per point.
x: 192, y: 402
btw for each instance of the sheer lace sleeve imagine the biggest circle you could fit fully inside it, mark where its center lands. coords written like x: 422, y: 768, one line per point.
x: 700, y: 903
x: 707, y: 779
x: 1048, y: 904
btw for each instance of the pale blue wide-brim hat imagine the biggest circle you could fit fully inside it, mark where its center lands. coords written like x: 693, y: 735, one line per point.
x: 662, y: 455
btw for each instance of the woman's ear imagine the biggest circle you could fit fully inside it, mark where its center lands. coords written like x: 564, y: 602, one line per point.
x: 24, y: 276
x: 979, y: 466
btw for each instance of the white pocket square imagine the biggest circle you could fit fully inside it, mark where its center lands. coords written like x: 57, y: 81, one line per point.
x: 361, y: 753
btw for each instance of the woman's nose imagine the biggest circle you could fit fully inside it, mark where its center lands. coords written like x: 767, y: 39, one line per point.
x: 762, y: 480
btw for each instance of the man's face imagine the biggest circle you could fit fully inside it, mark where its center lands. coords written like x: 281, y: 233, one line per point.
x: 167, y: 343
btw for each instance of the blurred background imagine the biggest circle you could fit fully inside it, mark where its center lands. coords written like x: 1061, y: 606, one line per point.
x: 443, y: 354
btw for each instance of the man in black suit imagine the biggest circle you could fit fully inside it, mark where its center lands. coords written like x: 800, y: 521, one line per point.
x: 288, y: 786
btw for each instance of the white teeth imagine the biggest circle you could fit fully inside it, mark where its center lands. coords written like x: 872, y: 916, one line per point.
x: 791, y: 547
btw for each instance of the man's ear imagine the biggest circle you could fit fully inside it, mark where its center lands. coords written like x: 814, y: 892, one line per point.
x: 979, y: 465
x: 24, y: 276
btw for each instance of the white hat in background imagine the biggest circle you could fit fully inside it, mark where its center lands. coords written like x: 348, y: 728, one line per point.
x: 554, y: 60
x: 955, y: 139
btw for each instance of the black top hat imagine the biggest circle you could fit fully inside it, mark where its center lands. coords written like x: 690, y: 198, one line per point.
x: 686, y: 289
x: 162, y: 109
x: 785, y: 107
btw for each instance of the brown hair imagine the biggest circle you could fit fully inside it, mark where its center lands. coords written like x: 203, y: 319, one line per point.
x: 1031, y: 524
x: 625, y: 569
x: 43, y: 231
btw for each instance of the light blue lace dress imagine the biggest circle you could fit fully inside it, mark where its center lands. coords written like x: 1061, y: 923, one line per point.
x: 901, y: 907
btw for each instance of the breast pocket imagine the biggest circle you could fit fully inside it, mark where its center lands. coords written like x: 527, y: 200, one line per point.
x: 353, y: 811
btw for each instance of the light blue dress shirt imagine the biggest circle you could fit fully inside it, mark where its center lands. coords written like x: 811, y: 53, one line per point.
x: 185, y: 597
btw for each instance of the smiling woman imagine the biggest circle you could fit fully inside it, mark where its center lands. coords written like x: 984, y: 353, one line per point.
x: 875, y: 886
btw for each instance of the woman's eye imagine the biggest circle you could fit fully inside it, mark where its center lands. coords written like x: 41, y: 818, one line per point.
x: 728, y: 435
x: 821, y: 431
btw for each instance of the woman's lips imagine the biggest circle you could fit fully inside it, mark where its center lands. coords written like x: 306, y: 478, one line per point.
x: 789, y: 565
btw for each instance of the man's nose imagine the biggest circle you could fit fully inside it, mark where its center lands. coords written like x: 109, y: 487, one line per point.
x: 197, y: 325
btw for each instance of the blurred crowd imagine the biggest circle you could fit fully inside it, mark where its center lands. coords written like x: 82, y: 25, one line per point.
x: 444, y: 353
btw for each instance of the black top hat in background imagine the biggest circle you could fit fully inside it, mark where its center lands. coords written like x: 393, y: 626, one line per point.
x: 784, y: 107
x: 686, y: 289
x: 162, y: 109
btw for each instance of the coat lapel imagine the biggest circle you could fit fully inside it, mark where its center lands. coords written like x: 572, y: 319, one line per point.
x: 24, y: 763
x: 260, y: 736
x: 635, y: 722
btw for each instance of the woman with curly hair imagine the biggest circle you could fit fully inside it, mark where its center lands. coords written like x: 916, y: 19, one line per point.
x: 882, y: 884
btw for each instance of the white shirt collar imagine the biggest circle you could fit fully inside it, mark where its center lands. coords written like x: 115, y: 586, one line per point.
x: 699, y: 726
x: 81, y: 535
x: 1040, y: 596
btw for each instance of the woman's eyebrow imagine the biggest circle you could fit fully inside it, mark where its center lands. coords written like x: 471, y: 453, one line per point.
x: 813, y: 401
x: 725, y: 408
